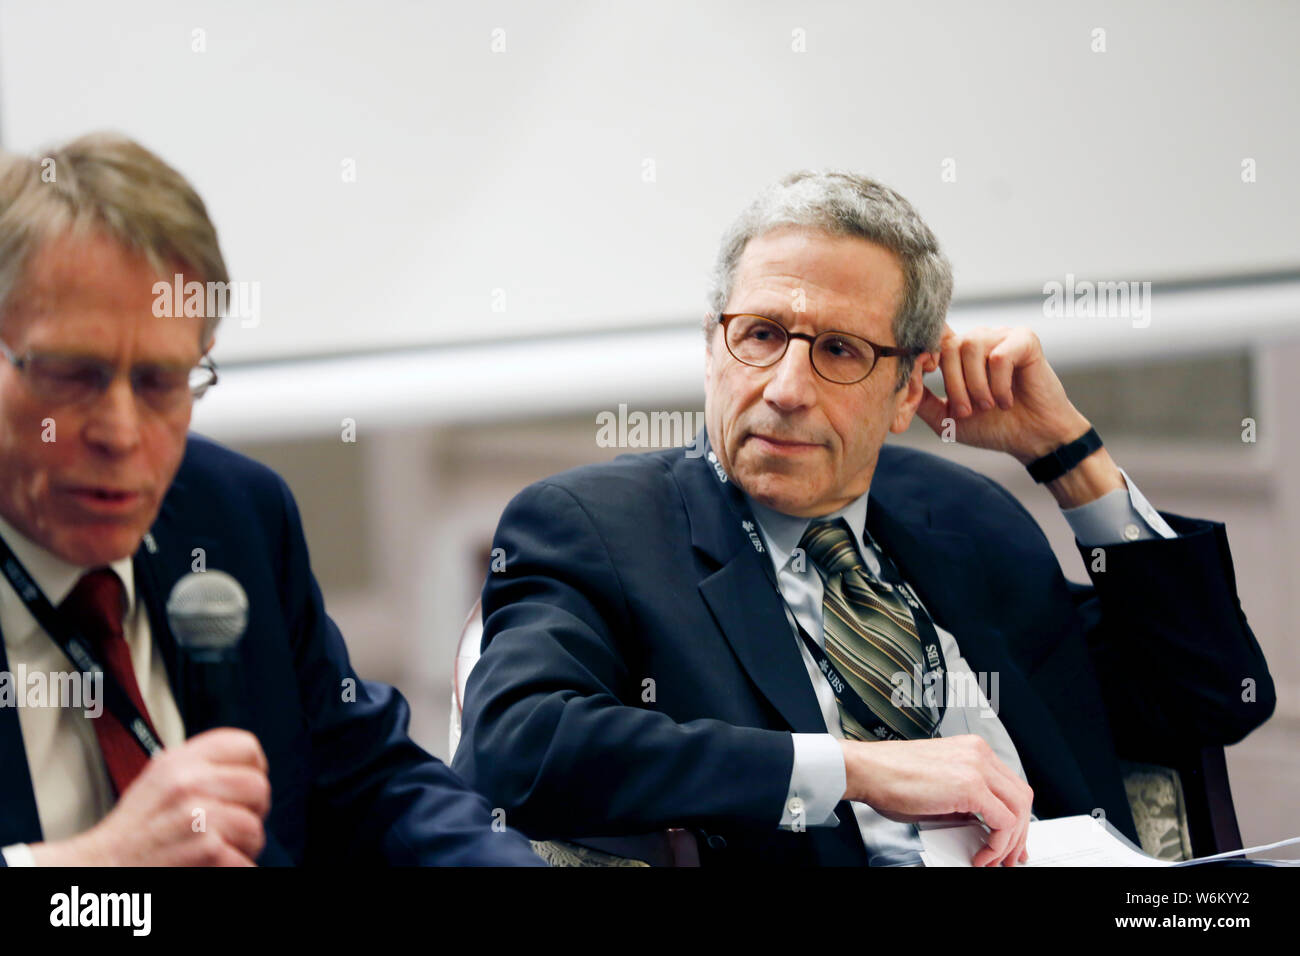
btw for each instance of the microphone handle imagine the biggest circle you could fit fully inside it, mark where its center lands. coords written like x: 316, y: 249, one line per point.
x: 217, y: 696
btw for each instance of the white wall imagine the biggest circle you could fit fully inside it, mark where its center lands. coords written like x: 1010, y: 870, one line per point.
x: 523, y: 170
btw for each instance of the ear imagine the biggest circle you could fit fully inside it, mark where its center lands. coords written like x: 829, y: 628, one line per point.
x: 909, y: 396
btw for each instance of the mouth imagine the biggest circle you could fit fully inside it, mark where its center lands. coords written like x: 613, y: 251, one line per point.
x: 104, y: 500
x: 782, y: 446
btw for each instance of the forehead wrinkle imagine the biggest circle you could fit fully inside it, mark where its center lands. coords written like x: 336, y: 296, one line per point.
x: 93, y: 298
x: 792, y: 320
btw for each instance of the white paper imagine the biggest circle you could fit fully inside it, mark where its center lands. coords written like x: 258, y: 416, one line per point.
x: 1065, y: 841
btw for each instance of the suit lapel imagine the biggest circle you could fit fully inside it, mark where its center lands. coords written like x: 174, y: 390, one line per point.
x: 940, y: 565
x: 753, y: 620
x: 167, y: 554
x: 154, y: 578
x: 745, y: 605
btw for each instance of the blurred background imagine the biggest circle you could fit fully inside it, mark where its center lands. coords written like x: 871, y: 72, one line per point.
x: 473, y: 228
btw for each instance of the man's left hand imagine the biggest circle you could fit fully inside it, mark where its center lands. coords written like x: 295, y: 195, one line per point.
x: 1002, y: 393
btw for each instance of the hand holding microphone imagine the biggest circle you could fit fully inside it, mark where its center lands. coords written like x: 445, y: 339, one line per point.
x: 202, y: 803
x: 199, y: 804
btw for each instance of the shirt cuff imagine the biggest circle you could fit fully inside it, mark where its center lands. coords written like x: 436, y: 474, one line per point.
x: 817, y: 782
x: 20, y: 854
x: 1117, y: 518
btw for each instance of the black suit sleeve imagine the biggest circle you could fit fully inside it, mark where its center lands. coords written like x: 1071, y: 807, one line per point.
x: 376, y: 797
x: 554, y: 729
x: 1179, y: 666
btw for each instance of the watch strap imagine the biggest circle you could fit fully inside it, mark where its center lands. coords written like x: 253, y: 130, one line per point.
x: 1056, y: 463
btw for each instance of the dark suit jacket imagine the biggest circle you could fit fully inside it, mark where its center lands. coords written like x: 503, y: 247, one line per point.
x: 347, y: 783
x: 636, y: 570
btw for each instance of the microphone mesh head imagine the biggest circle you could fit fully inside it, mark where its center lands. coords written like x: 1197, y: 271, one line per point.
x: 207, y: 610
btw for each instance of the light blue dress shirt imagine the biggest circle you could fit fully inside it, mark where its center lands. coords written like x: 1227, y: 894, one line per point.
x: 818, y: 779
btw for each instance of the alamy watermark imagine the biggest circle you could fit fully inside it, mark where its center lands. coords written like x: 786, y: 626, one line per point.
x: 133, y: 911
x: 1098, y: 300
x: 964, y: 689
x: 236, y: 300
x: 76, y: 689
x: 637, y: 429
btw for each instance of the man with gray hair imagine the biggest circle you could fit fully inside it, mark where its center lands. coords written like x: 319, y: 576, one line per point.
x: 806, y: 643
x: 106, y: 502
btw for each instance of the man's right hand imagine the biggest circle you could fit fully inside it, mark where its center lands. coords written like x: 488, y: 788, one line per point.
x: 944, y: 778
x: 221, y: 772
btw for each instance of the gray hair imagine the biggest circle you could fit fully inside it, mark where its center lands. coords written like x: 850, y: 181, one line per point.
x: 847, y: 204
x: 108, y: 183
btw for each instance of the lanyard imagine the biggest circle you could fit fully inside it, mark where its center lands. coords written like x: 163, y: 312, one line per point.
x: 932, y: 653
x: 76, y: 649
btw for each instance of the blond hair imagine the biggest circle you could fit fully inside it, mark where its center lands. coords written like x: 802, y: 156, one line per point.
x: 109, y: 183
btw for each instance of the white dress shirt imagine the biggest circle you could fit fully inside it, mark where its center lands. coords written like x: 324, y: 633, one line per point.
x: 69, y: 777
x: 818, y: 778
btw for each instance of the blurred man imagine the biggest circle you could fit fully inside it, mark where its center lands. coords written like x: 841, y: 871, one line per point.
x: 805, y: 642
x: 105, y: 502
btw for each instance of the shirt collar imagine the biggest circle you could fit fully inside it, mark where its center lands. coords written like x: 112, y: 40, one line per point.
x: 52, y: 574
x: 782, y: 532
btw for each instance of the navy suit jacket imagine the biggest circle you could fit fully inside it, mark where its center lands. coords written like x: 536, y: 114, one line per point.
x: 638, y: 670
x: 347, y: 783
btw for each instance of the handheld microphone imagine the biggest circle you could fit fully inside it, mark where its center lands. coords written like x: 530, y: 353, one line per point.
x: 208, y: 614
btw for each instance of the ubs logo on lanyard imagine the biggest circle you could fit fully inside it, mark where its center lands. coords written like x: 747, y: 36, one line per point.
x: 746, y: 525
x: 717, y: 467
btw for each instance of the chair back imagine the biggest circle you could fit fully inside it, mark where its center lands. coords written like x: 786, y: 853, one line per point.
x: 1183, y: 809
x: 468, y: 648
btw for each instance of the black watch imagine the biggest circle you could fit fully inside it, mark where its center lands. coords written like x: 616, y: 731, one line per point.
x: 1056, y: 463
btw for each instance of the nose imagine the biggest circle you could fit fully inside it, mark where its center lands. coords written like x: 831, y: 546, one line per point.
x: 113, y: 420
x: 792, y: 385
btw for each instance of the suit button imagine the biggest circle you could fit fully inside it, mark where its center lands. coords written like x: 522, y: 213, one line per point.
x: 716, y: 842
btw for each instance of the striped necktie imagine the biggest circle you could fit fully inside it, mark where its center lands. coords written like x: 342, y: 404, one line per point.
x: 870, y: 635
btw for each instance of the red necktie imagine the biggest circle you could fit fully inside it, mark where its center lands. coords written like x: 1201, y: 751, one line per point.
x: 96, y: 607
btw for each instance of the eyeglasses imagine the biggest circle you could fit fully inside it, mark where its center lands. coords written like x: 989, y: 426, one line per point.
x: 75, y: 379
x: 836, y: 356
